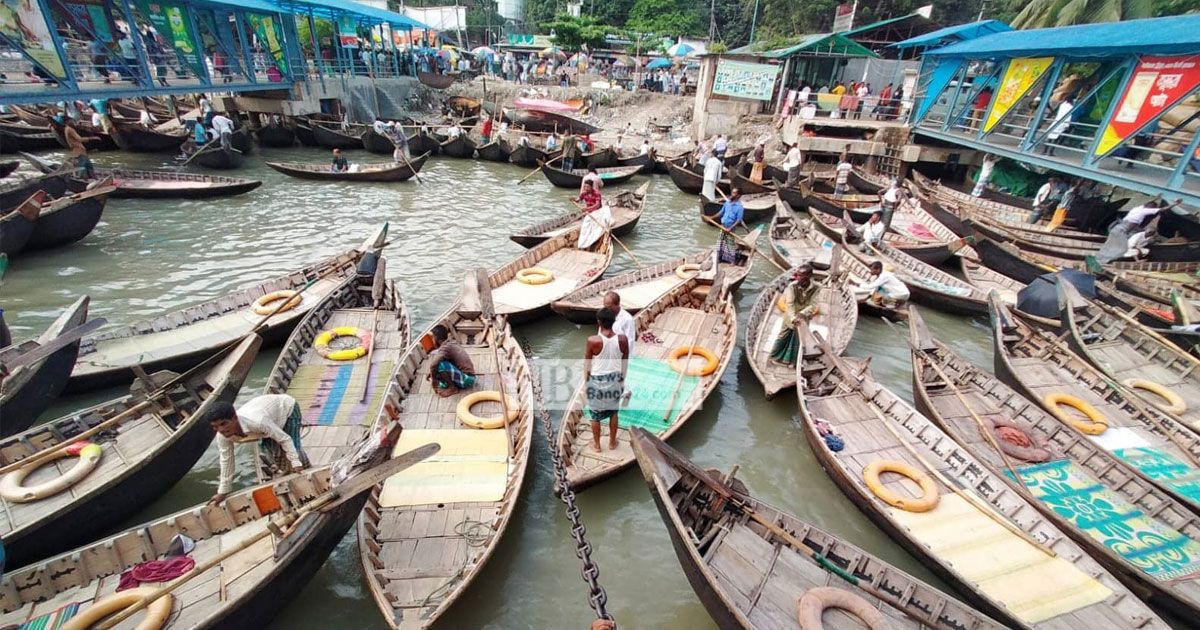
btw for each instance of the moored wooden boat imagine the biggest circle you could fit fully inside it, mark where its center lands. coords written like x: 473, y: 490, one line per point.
x: 760, y: 207
x: 771, y: 177
x: 422, y: 142
x: 214, y: 155
x: 529, y: 155
x: 377, y: 143
x: 26, y: 390
x: 276, y: 134
x: 13, y: 194
x: 990, y: 543
x: 574, y: 178
x: 138, y: 139
x: 626, y: 210
x: 16, y: 226
x: 460, y: 147
x: 305, y: 134
x: 142, y: 456
x: 748, y: 576
x: 644, y: 160
x: 94, y: 138
x: 569, y: 268
x: 336, y: 138
x: 7, y: 168
x: 664, y: 398
x: 548, y: 122
x: 12, y: 142
x: 933, y: 254
x: 600, y: 158
x: 383, y: 172
x: 413, y: 590
x: 181, y: 339
x: 436, y: 81
x: 497, y: 150
x: 661, y: 161
x: 168, y: 184
x: 70, y: 218
x: 690, y: 181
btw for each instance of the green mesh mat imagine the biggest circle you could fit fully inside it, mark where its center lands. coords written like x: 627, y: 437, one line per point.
x: 652, y: 383
x: 1164, y: 468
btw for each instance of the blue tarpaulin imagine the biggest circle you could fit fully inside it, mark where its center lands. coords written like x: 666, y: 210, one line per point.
x: 954, y: 34
x: 1178, y: 35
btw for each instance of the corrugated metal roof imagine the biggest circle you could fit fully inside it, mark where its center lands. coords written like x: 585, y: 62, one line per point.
x: 953, y: 34
x: 828, y: 44
x: 1178, y: 35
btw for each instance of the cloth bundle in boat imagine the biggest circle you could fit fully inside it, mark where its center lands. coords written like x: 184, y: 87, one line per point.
x: 1033, y: 585
x: 941, y: 286
x: 593, y: 227
x: 331, y: 394
x: 652, y: 383
x: 1158, y: 550
x: 471, y: 466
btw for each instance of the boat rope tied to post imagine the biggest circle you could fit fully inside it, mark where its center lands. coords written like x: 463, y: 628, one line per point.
x: 321, y: 344
x: 1174, y: 403
x: 463, y: 411
x: 687, y: 271
x: 929, y: 489
x: 1015, y: 441
x: 1095, y: 424
x: 157, y: 614
x: 710, y: 360
x: 12, y: 487
x: 293, y: 298
x: 535, y: 275
x: 816, y: 600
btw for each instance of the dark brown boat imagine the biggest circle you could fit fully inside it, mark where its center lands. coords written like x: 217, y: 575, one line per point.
x: 7, y: 168
x: 574, y: 178
x: 690, y: 181
x: 16, y: 226
x: 435, y: 81
x: 27, y: 389
x: 336, y: 139
x: 760, y: 207
x: 276, y: 135
x: 14, y: 193
x: 497, y: 150
x: 214, y: 155
x: 11, y: 142
x: 377, y: 143
x: 385, y: 172
x: 138, y: 139
x: 305, y: 134
x: 69, y: 218
x: 600, y: 158
x: 529, y: 156
x: 644, y: 160
x: 423, y: 142
x: 163, y: 184
x: 548, y: 122
x: 460, y: 147
x: 740, y: 178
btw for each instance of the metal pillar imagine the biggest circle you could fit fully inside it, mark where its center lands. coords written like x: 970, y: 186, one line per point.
x: 239, y: 18
x: 1047, y: 89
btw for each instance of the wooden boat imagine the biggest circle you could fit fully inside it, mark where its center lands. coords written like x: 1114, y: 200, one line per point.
x: 276, y: 135
x: 760, y: 207
x: 750, y: 576
x: 996, y: 204
x: 138, y: 139
x: 474, y: 511
x: 422, y: 142
x: 27, y: 390
x: 990, y: 543
x: 548, y: 122
x: 1057, y: 466
x: 12, y: 142
x: 17, y: 225
x: 382, y: 172
x: 1014, y: 262
x: 1155, y: 447
x: 377, y: 143
x: 1067, y: 247
x: 142, y: 457
x: 663, y: 399
x: 626, y: 209
x: 435, y: 81
x: 7, y: 168
x: 644, y: 285
x: 213, y: 155
x: 181, y: 339
x: 574, y: 178
x: 305, y: 133
x: 836, y: 320
x: 162, y: 184
x: 337, y: 139
x: 95, y: 138
x: 932, y: 254
x: 28, y: 116
x: 645, y: 161
x: 570, y: 268
x: 600, y: 158
x: 70, y: 218
x: 740, y: 178
x: 460, y: 147
x: 867, y: 183
x: 910, y: 219
x: 661, y: 162
x: 690, y: 181
x: 529, y: 156
x: 497, y: 150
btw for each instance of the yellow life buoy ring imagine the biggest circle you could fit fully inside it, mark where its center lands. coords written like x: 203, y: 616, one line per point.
x: 293, y: 300
x: 816, y: 600
x: 1174, y: 402
x: 12, y: 487
x: 687, y: 271
x: 321, y: 344
x: 680, y: 352
x: 463, y: 411
x: 156, y: 615
x: 1095, y: 424
x: 929, y: 489
x: 535, y: 275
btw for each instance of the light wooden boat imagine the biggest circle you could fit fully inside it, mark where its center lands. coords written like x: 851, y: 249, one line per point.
x: 26, y: 390
x: 1036, y: 364
x: 382, y: 172
x: 181, y: 339
x: 142, y: 457
x: 929, y: 252
x: 426, y: 534
x: 627, y: 208
x: 570, y: 268
x: 755, y: 207
x: 836, y: 320
x: 750, y: 577
x: 1060, y: 469
x: 983, y: 538
x: 662, y: 397
x: 928, y: 285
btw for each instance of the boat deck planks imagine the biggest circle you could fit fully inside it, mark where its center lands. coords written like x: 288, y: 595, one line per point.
x: 571, y: 267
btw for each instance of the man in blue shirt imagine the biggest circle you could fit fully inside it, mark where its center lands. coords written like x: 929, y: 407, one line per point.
x: 732, y: 214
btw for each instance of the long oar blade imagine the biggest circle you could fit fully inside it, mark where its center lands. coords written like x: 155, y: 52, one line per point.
x: 368, y: 479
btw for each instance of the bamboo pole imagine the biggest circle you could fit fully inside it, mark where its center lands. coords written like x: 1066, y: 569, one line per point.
x: 743, y: 242
x: 608, y: 233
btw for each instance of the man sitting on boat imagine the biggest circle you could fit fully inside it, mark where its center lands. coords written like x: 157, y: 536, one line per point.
x: 339, y: 165
x: 451, y: 369
x: 882, y: 288
x: 273, y: 421
x: 800, y: 304
x: 732, y: 215
x: 597, y: 216
x: 605, y: 359
x: 873, y: 231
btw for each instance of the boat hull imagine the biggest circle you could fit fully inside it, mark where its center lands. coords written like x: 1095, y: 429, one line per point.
x: 331, y: 139
x: 276, y: 136
x: 66, y: 225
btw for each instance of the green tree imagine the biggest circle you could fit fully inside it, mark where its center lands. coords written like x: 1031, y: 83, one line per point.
x: 732, y: 20
x: 1047, y: 13
x: 670, y: 18
x: 610, y: 12
x: 324, y: 32
x: 573, y: 33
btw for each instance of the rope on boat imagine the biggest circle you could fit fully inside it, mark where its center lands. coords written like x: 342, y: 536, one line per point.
x: 476, y: 534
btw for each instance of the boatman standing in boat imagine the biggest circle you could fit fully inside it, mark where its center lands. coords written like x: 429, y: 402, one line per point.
x: 569, y: 151
x: 1045, y: 200
x: 450, y: 367
x: 222, y: 127
x: 623, y: 324
x: 841, y: 181
x: 732, y: 214
x: 712, y: 176
x: 792, y: 164
x: 273, y: 421
x: 605, y: 359
x: 890, y: 200
x: 800, y: 304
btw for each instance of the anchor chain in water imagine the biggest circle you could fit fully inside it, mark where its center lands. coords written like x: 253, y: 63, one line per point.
x: 597, y: 597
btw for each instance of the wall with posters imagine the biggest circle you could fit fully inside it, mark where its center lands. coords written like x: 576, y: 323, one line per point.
x: 1157, y: 84
x: 739, y: 79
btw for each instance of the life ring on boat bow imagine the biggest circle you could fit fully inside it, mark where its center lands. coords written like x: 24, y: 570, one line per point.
x: 1095, y: 424
x: 12, y: 487
x: 816, y: 600
x: 463, y: 411
x: 535, y: 275
x: 321, y: 344
x: 293, y: 300
x: 929, y: 489
x: 1174, y: 402
x: 156, y: 615
x: 710, y: 360
x: 1018, y: 442
x: 687, y: 271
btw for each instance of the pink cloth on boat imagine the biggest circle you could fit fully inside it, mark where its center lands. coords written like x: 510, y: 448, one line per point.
x: 155, y: 571
x: 920, y: 231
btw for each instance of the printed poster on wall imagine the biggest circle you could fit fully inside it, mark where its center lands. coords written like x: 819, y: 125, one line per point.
x: 89, y: 17
x: 1157, y: 84
x: 745, y: 80
x: 171, y: 24
x: 347, y: 31
x: 23, y: 23
x: 271, y: 38
x: 1020, y: 75
x: 843, y: 17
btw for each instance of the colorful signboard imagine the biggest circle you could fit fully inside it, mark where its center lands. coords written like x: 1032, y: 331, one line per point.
x: 745, y: 80
x: 1019, y: 77
x: 347, y: 31
x: 170, y: 21
x: 270, y: 37
x: 88, y: 17
x: 1156, y: 85
x: 843, y: 17
x: 25, y: 26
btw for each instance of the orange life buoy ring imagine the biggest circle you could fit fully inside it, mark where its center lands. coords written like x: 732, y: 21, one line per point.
x: 710, y: 360
x: 463, y: 410
x: 13, y: 488
x: 293, y: 300
x: 1019, y: 442
x: 1171, y: 402
x: 1095, y: 424
x: 816, y: 600
x: 156, y: 613
x: 929, y: 489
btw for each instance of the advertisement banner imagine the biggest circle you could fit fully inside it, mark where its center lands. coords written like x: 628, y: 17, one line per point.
x: 88, y: 17
x: 939, y: 78
x: 843, y: 17
x: 745, y: 80
x: 270, y: 36
x: 26, y: 27
x: 170, y: 22
x: 347, y: 31
x: 1157, y: 84
x: 1020, y: 75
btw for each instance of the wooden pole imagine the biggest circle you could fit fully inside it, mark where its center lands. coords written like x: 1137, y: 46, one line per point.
x: 683, y: 372
x: 537, y: 170
x: 743, y: 242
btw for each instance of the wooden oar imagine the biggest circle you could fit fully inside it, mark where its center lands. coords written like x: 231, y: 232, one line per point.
x: 739, y: 239
x: 683, y: 372
x: 362, y: 482
x: 537, y: 170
